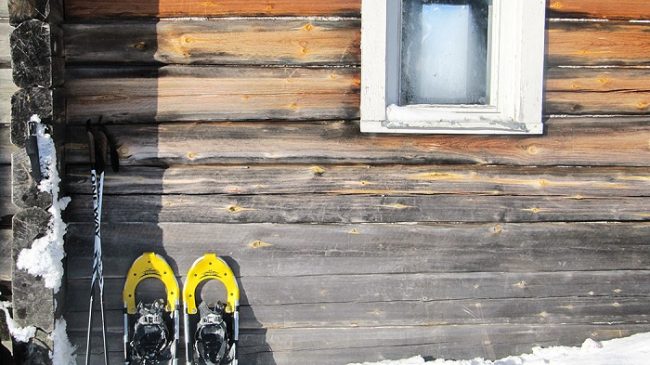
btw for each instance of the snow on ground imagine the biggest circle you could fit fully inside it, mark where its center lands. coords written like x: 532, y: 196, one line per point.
x: 633, y: 350
x: 63, y: 352
x: 44, y: 257
x: 20, y: 334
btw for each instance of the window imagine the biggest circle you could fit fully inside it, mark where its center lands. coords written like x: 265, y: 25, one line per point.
x: 452, y: 66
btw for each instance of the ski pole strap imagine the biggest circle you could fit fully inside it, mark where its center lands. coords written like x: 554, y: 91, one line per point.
x: 31, y: 146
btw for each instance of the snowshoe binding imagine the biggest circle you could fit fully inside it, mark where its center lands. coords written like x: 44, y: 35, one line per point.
x: 151, y: 330
x: 215, y: 329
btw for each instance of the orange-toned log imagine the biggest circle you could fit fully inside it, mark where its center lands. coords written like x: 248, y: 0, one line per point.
x: 600, y: 9
x: 228, y: 41
x: 188, y: 8
x: 580, y: 43
x: 335, y: 142
x: 211, y: 93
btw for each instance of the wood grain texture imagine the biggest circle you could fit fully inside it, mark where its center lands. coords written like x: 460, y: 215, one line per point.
x: 381, y: 288
x: 7, y: 209
x: 624, y: 9
x: 342, y: 346
x: 90, y: 9
x: 212, y: 93
x: 286, y: 250
x: 362, y: 209
x: 5, y: 50
x: 231, y: 41
x: 597, y: 91
x: 4, y: 9
x: 7, y: 89
x: 6, y: 148
x: 341, y: 142
x: 317, y: 41
x: 367, y: 179
x: 601, y: 43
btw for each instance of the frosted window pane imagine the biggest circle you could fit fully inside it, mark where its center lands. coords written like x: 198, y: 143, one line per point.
x: 444, y: 52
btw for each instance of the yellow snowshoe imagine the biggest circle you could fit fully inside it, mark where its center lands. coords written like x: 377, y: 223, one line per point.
x: 151, y: 330
x: 214, y: 329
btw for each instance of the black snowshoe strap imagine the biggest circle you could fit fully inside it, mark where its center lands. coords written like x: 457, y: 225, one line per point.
x: 211, y: 337
x: 150, y: 335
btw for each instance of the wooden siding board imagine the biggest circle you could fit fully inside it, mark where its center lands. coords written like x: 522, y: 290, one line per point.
x: 342, y: 142
x: 7, y: 89
x: 6, y: 238
x: 598, y: 43
x: 422, y: 287
x: 7, y: 208
x: 92, y: 9
x: 231, y: 41
x: 367, y: 179
x: 5, y: 53
x: 362, y: 209
x: 599, y: 9
x: 341, y: 346
x: 183, y: 93
x: 314, y: 41
x: 284, y: 250
x: 6, y: 148
x: 4, y: 9
x: 212, y: 93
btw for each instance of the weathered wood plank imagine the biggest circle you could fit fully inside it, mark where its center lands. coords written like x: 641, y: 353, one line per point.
x: 4, y: 9
x: 7, y: 89
x: 295, y: 250
x: 600, y: 43
x: 5, y: 50
x: 423, y: 287
x: 367, y: 179
x: 6, y: 148
x: 7, y: 209
x: 623, y: 9
x: 90, y: 9
x: 176, y: 93
x: 317, y: 41
x: 341, y: 346
x: 342, y: 142
x: 208, y: 93
x: 361, y: 209
x: 440, y: 313
x: 5, y: 254
x: 231, y: 41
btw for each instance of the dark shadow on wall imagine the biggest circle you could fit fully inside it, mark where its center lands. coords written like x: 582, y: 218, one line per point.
x: 122, y: 85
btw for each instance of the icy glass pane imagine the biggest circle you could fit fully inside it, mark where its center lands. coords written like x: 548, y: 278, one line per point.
x: 444, y: 56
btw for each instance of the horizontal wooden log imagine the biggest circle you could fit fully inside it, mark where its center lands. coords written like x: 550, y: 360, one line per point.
x: 274, y: 250
x: 599, y: 43
x: 443, y: 313
x: 25, y: 192
x: 207, y: 93
x: 381, y: 288
x: 317, y: 41
x: 360, y: 209
x: 232, y: 41
x: 367, y: 179
x: 624, y: 9
x: 5, y: 254
x: 6, y: 91
x: 597, y: 91
x: 342, y: 346
x: 6, y: 148
x: 47, y: 104
x: 7, y: 209
x: 5, y: 52
x: 341, y: 142
x: 90, y: 9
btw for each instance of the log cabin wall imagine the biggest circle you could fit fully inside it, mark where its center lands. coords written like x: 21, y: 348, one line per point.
x: 237, y: 125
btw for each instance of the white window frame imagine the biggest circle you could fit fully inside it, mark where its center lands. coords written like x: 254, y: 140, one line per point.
x: 516, y: 75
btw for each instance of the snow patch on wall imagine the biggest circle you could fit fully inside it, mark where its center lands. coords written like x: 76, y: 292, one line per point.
x: 63, y: 352
x: 20, y: 334
x: 631, y: 350
x: 45, y: 257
